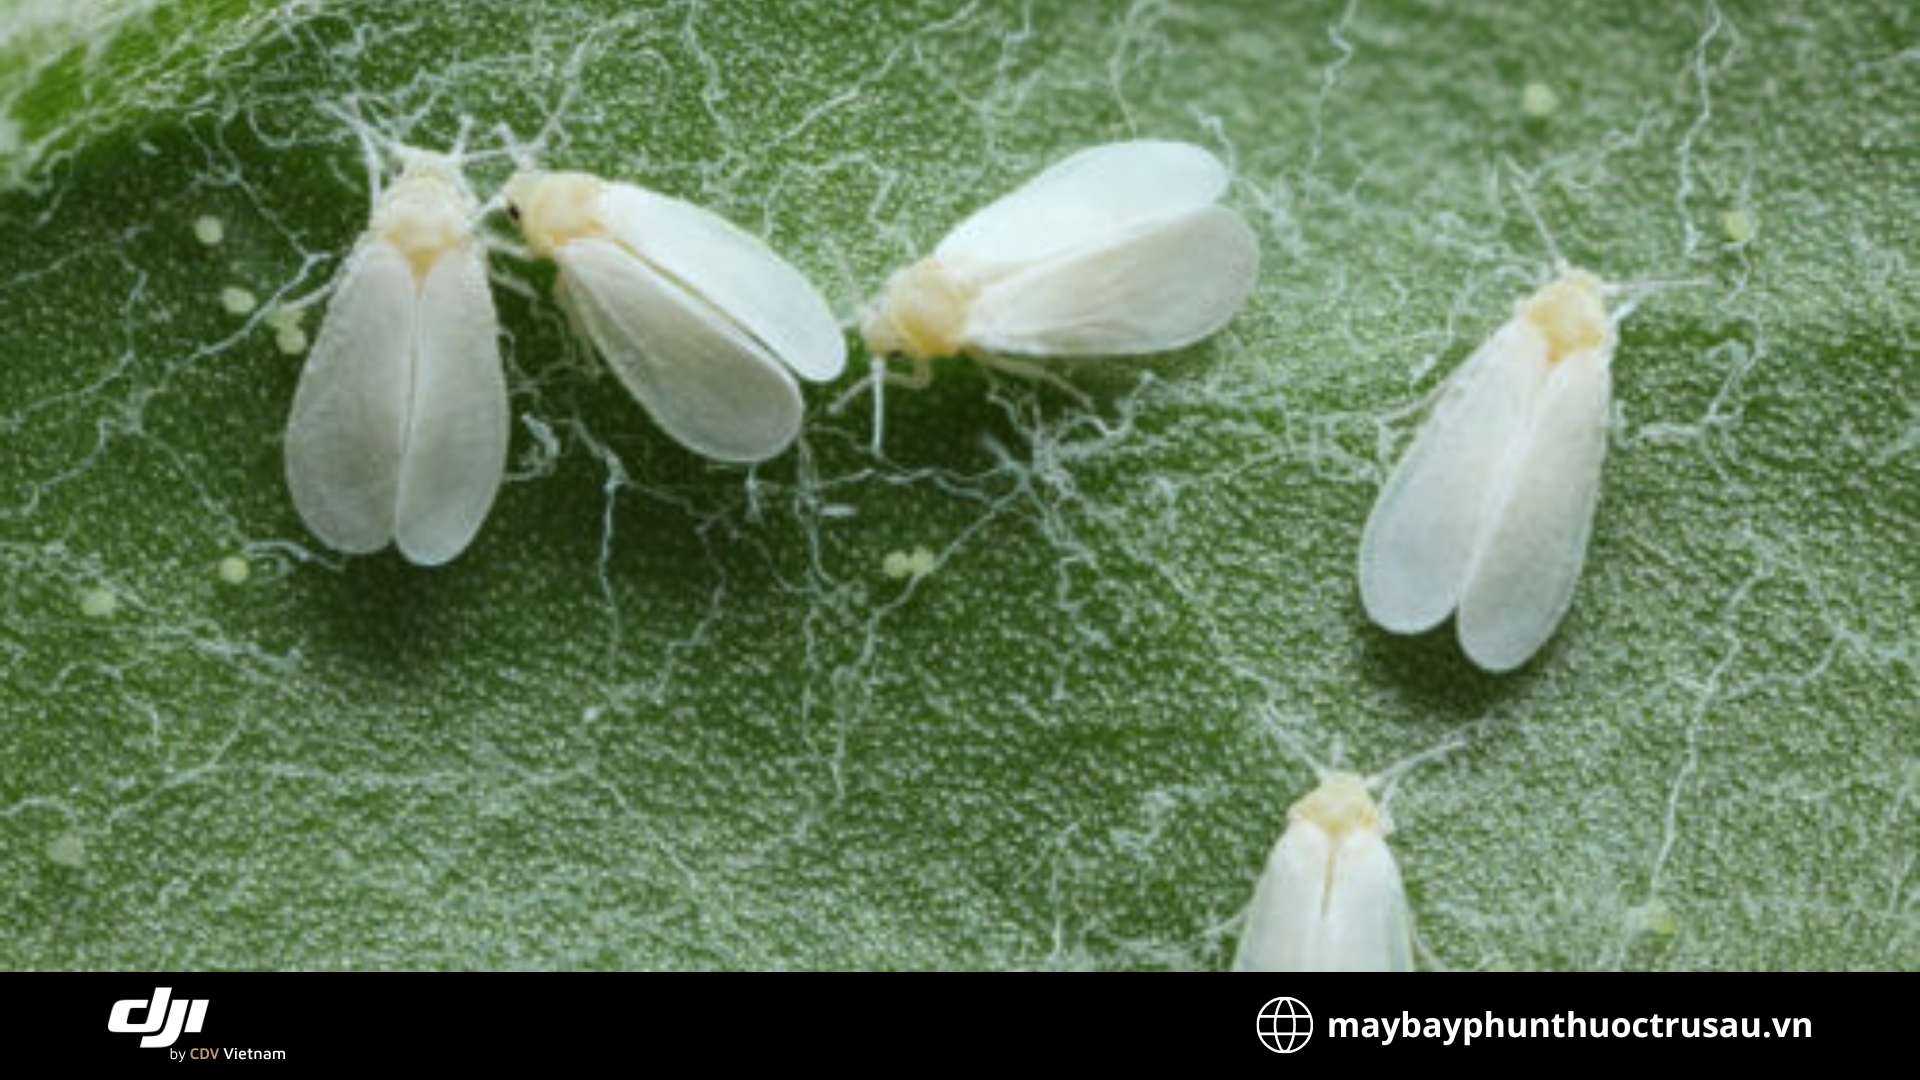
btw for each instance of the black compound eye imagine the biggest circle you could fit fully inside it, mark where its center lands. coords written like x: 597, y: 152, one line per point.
x: 513, y: 211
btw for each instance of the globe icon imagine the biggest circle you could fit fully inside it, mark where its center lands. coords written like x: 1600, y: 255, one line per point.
x: 1285, y: 1025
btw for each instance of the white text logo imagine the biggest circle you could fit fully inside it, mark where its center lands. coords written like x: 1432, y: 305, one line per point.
x: 167, y: 1022
x: 1285, y: 1025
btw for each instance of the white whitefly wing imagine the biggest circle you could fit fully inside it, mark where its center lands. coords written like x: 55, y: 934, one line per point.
x: 1366, y: 925
x: 1423, y: 537
x: 1287, y: 903
x: 704, y: 380
x: 732, y: 270
x: 1166, y: 284
x: 348, y: 427
x: 1323, y: 905
x: 1098, y: 193
x: 456, y: 448
x: 1523, y: 581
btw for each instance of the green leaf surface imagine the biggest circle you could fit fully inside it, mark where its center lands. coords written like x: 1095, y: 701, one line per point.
x: 670, y: 714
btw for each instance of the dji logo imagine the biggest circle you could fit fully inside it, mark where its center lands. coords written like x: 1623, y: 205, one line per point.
x: 159, y: 1018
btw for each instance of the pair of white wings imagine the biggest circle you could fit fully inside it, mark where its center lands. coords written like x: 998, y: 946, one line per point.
x: 1490, y: 511
x: 702, y: 322
x: 1323, y: 905
x: 1116, y: 250
x: 399, y: 425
